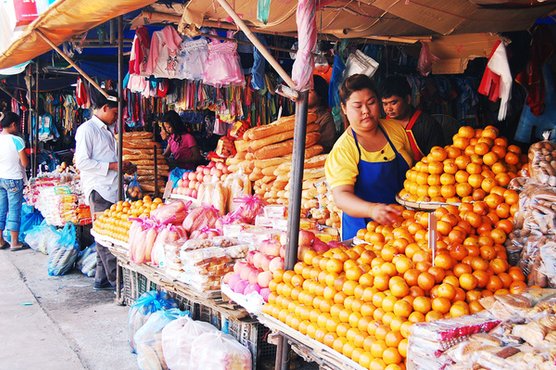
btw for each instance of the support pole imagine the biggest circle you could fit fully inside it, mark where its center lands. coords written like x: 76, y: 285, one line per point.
x: 29, y: 76
x: 36, y: 133
x: 294, y: 208
x: 120, y: 109
x: 251, y: 36
x: 74, y: 65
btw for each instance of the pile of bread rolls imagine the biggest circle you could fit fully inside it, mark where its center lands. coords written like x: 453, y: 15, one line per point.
x: 265, y: 156
x: 139, y: 148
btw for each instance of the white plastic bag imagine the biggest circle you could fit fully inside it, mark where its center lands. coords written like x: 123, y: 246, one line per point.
x: 360, y: 63
x: 177, y: 340
x: 148, y: 339
x: 219, y: 351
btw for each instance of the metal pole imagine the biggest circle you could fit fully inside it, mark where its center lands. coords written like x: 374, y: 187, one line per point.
x: 120, y: 109
x: 294, y: 208
x: 29, y: 74
x: 36, y: 133
x: 77, y: 68
x: 155, y: 172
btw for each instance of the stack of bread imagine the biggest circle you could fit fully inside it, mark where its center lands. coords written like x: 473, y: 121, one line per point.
x: 265, y: 156
x: 139, y: 149
x: 263, y: 149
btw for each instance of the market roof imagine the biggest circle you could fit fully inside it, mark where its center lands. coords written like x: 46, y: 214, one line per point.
x: 367, y: 18
x: 64, y: 19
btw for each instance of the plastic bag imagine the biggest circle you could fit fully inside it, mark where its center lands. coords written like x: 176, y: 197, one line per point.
x: 219, y: 351
x: 201, y: 217
x: 173, y: 213
x: 142, y: 309
x: 426, y: 60
x: 176, y: 175
x: 62, y: 258
x: 248, y: 207
x: 40, y: 237
x: 87, y: 260
x: 542, y: 158
x: 167, y: 234
x: 148, y: 339
x: 141, y: 242
x: 134, y: 191
x: 359, y: 63
x: 177, y: 341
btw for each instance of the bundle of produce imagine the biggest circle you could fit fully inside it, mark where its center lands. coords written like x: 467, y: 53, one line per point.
x: 139, y: 149
x: 115, y: 223
x: 361, y: 301
x: 477, y: 162
x: 534, y: 238
x: 542, y: 162
x: 518, y: 331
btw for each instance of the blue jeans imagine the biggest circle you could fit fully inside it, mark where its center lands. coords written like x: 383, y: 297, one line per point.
x: 11, y: 197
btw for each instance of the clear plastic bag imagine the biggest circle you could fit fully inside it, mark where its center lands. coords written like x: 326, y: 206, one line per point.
x: 148, y: 339
x: 542, y: 158
x: 142, y: 309
x: 61, y: 259
x: 219, y: 351
x: 360, y: 63
x: 177, y: 341
x: 40, y: 237
x: 87, y: 260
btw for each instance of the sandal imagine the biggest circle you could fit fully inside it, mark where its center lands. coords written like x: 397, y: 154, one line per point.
x: 5, y: 246
x: 18, y: 247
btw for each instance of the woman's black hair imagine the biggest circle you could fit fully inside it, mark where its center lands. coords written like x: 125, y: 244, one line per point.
x: 320, y: 86
x: 8, y: 118
x: 355, y: 83
x: 178, y: 127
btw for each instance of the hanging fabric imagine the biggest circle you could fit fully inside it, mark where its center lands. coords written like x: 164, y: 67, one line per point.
x: 302, y: 71
x: 194, y: 56
x: 140, y: 48
x: 497, y: 79
x: 163, y: 53
x: 263, y: 10
x: 259, y: 66
x: 223, y: 66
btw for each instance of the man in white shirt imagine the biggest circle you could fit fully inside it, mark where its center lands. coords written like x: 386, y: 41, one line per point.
x: 96, y: 157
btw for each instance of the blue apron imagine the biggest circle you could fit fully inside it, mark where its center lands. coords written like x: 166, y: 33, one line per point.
x: 377, y: 182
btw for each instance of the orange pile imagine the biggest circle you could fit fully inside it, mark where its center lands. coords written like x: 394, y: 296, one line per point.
x: 361, y: 301
x: 477, y: 162
x: 114, y: 222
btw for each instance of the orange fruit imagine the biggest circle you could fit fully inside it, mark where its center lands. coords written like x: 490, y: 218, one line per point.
x: 441, y: 305
x: 473, y: 168
x: 475, y: 180
x: 460, y: 142
x: 446, y: 290
x: 468, y: 281
x: 490, y: 158
x: 461, y: 268
x: 481, y: 148
x: 459, y: 309
x: 499, y: 265
x: 425, y: 281
x: 483, y: 278
x: 391, y: 356
x: 422, y: 304
x: 518, y: 287
x: 494, y: 283
x: 435, y: 168
x: 475, y: 306
x: 511, y: 158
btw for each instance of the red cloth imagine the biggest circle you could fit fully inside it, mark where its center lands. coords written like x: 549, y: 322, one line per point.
x: 542, y: 46
x: 490, y: 83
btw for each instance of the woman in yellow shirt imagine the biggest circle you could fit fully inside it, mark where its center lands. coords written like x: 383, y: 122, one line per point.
x: 367, y: 165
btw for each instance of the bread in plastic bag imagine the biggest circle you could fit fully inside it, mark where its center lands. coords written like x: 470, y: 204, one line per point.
x: 142, y: 309
x: 40, y: 237
x: 148, y: 339
x: 87, y: 260
x: 542, y: 159
x: 219, y: 351
x: 177, y: 340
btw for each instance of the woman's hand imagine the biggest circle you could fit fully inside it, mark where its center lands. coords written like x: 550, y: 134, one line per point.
x: 384, y: 213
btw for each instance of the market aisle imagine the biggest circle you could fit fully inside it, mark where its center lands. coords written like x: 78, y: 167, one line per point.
x: 57, y: 322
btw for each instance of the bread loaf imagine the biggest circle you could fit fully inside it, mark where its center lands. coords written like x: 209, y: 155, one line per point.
x: 284, y: 148
x: 284, y: 124
x: 137, y: 135
x: 142, y: 144
x: 272, y: 162
x: 241, y: 145
x: 277, y: 138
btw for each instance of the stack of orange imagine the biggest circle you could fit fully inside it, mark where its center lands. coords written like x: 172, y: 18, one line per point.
x: 114, y: 222
x: 361, y: 301
x: 469, y: 169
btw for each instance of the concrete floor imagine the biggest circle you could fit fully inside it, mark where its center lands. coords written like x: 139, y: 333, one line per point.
x: 57, y: 322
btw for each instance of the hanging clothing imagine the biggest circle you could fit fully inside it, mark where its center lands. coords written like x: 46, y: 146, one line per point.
x: 222, y: 66
x: 163, y: 53
x: 497, y: 79
x: 139, y: 57
x: 193, y: 59
x: 531, y: 126
x: 81, y: 94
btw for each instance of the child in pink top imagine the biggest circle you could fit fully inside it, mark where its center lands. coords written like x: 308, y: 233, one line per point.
x: 181, y: 145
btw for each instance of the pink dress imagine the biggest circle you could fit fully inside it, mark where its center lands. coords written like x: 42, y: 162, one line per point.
x: 222, y: 66
x: 182, y: 150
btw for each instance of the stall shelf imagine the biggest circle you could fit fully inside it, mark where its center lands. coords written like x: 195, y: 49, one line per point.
x: 308, y: 348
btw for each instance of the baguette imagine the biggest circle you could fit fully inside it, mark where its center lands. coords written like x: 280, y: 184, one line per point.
x: 284, y: 124
x: 241, y: 145
x: 269, y: 171
x: 137, y: 135
x: 141, y: 152
x: 284, y: 148
x: 141, y: 145
x: 263, y: 163
x: 255, y: 176
x: 276, y: 138
x: 315, y: 162
x: 267, y: 179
